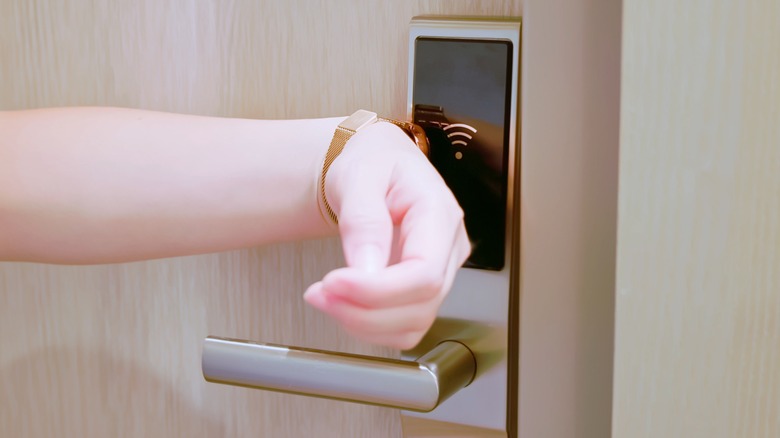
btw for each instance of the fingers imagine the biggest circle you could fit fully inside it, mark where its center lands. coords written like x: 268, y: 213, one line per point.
x: 390, y: 201
x: 366, y: 234
x: 404, y: 283
x: 409, y: 281
x: 398, y: 327
x: 399, y: 314
x: 383, y: 320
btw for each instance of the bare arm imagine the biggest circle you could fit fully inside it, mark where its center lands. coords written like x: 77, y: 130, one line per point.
x: 100, y: 185
x: 97, y: 185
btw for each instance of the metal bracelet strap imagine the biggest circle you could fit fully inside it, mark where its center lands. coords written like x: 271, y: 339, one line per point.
x: 340, y: 137
x: 402, y: 125
x: 413, y: 131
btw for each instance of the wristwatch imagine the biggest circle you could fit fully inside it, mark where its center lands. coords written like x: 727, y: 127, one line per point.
x: 346, y: 129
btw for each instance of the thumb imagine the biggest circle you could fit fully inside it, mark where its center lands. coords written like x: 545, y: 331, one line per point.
x: 365, y: 224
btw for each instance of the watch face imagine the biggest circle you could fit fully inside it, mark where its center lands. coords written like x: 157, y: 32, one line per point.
x: 460, y: 96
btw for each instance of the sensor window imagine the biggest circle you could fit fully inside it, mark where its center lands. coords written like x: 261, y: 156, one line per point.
x: 460, y: 96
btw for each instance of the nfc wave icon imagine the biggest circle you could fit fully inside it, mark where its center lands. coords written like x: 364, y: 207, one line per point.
x: 460, y: 133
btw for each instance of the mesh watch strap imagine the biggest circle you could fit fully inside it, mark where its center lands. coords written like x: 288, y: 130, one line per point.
x: 340, y: 138
x: 347, y: 129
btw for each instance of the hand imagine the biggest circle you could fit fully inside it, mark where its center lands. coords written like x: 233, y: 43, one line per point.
x: 403, y: 237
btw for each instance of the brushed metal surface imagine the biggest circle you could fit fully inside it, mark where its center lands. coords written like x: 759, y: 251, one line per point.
x: 482, y: 307
x: 416, y: 385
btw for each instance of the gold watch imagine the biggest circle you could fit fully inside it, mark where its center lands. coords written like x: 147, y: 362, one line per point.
x: 346, y: 129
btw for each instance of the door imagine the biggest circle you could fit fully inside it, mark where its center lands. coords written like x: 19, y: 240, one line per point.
x: 114, y: 350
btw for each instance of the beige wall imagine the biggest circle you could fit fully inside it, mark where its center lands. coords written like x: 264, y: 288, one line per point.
x: 698, y: 280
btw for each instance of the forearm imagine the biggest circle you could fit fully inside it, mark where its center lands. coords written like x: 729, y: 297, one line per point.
x: 95, y: 185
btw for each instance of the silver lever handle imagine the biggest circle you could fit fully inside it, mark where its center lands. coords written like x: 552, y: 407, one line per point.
x: 419, y: 385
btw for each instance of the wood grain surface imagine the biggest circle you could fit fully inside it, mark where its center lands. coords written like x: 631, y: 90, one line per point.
x: 114, y: 350
x: 698, y: 284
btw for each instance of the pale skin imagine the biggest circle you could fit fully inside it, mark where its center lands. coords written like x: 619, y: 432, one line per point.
x: 107, y: 185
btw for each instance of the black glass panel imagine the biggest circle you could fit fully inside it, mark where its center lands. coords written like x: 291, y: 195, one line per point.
x: 461, y: 98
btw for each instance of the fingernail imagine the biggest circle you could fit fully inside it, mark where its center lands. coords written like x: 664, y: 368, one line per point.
x: 368, y: 258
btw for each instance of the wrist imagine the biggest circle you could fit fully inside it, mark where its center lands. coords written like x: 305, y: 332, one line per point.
x: 363, y: 124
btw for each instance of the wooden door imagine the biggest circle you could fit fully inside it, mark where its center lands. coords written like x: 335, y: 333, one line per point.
x: 114, y: 350
x: 698, y: 282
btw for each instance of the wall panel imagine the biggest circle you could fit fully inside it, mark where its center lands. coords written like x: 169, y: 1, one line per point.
x: 698, y: 283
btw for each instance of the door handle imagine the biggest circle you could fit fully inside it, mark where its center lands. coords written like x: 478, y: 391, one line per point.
x: 418, y: 385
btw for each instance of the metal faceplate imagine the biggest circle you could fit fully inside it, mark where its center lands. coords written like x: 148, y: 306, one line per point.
x: 470, y: 120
